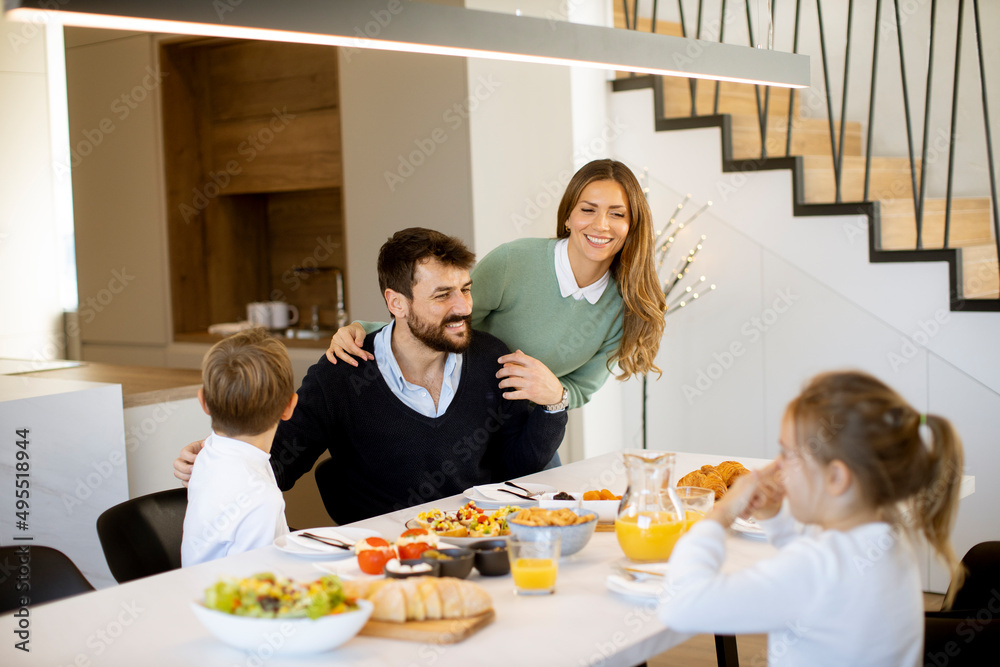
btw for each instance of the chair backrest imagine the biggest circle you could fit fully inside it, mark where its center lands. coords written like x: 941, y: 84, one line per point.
x: 957, y: 641
x: 142, y: 537
x: 53, y: 576
x: 982, y: 579
x: 326, y: 481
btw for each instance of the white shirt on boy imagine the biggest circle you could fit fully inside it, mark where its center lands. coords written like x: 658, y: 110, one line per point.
x: 234, y: 504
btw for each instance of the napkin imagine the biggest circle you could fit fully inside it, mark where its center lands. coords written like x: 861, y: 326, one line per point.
x: 492, y: 493
x: 313, y: 545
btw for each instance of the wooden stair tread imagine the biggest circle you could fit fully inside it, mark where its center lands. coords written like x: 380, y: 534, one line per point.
x: 644, y: 24
x: 970, y: 223
x: 734, y: 98
x: 980, y: 272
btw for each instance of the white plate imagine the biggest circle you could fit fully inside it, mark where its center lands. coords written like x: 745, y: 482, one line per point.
x: 291, y: 544
x: 749, y: 528
x: 488, y: 495
x: 648, y: 588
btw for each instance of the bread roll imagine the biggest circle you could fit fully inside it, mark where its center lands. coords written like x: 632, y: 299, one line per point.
x: 421, y: 598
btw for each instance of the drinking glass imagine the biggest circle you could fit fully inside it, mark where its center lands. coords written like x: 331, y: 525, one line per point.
x: 534, y: 564
x: 697, y: 502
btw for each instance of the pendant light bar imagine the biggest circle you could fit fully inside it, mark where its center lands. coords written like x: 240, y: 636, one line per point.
x: 416, y: 27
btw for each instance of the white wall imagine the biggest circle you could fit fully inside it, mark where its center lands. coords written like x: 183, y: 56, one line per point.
x: 117, y: 167
x: 34, y: 203
x: 406, y: 157
x: 796, y: 297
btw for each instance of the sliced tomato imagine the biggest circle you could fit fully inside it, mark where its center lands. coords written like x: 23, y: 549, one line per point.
x: 413, y: 550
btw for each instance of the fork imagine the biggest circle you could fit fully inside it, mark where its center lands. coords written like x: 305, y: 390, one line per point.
x: 515, y: 493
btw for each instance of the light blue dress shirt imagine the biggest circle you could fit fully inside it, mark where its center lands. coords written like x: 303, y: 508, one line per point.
x: 413, y: 395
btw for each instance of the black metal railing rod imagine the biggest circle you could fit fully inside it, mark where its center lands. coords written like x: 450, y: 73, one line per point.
x: 761, y: 126
x: 692, y: 87
x: 767, y: 90
x: 697, y: 32
x: 871, y: 98
x: 722, y: 33
x: 989, y: 137
x: 791, y: 92
x: 954, y: 118
x: 927, y: 122
x: 655, y: 9
x: 839, y: 163
x: 909, y: 130
x: 628, y: 26
x: 829, y: 99
x: 694, y: 82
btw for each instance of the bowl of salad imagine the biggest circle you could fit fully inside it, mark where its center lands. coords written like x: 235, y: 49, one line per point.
x: 287, y: 617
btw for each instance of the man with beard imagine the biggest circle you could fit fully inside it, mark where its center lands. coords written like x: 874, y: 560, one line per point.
x: 425, y: 419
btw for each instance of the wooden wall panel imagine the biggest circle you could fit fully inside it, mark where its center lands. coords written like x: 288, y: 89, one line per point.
x: 248, y: 79
x: 183, y: 94
x: 279, y: 153
x: 306, y: 241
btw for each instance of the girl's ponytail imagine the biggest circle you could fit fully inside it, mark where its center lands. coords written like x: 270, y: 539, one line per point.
x: 936, y: 505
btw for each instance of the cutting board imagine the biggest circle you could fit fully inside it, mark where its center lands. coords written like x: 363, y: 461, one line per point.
x: 605, y: 528
x: 448, y: 631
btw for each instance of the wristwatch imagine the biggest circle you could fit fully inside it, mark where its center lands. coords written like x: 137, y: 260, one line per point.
x: 561, y: 405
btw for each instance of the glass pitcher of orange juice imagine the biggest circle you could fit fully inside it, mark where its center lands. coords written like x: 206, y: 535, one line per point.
x: 647, y: 525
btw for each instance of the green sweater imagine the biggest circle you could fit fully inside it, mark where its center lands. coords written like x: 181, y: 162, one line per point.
x: 515, y: 297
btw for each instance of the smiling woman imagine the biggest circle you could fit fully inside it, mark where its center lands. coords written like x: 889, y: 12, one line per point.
x: 573, y: 306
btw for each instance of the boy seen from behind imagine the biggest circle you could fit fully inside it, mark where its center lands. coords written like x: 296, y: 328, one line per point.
x: 234, y: 504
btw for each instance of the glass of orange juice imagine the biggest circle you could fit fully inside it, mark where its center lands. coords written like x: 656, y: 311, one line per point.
x: 534, y: 564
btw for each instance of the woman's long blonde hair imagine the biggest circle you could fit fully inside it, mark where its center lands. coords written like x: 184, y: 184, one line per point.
x: 632, y: 268
x: 855, y: 418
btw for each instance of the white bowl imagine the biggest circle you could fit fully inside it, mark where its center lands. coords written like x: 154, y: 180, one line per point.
x: 573, y: 537
x: 284, y: 635
x: 607, y: 510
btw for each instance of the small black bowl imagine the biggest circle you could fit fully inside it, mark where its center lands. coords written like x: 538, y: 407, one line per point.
x: 457, y: 562
x: 491, y: 558
x: 435, y: 570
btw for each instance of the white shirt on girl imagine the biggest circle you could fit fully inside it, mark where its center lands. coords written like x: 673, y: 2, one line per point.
x: 829, y: 598
x: 234, y: 504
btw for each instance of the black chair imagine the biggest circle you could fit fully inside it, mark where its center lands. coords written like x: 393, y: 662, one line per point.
x: 53, y: 576
x: 327, y: 480
x: 968, y: 631
x: 142, y: 537
x: 982, y: 579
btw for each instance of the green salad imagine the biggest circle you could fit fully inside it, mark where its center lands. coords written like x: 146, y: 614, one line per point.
x: 265, y: 595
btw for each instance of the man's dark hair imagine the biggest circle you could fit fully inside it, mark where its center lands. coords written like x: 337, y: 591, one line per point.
x: 400, y: 255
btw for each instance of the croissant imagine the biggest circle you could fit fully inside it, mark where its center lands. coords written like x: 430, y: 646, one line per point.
x: 731, y: 471
x: 421, y: 598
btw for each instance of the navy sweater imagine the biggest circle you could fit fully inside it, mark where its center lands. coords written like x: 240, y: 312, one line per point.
x: 391, y: 456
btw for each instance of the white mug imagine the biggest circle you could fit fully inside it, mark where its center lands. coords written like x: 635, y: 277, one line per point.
x: 282, y: 314
x: 259, y: 314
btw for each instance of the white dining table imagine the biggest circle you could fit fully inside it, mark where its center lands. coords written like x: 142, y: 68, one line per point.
x: 149, y: 622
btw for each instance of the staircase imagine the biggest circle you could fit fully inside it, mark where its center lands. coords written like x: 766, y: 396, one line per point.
x: 737, y: 109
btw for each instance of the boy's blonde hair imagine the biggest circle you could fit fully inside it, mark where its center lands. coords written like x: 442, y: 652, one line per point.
x: 248, y: 382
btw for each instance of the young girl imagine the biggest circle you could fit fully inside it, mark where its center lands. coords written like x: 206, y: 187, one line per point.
x: 859, y: 466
